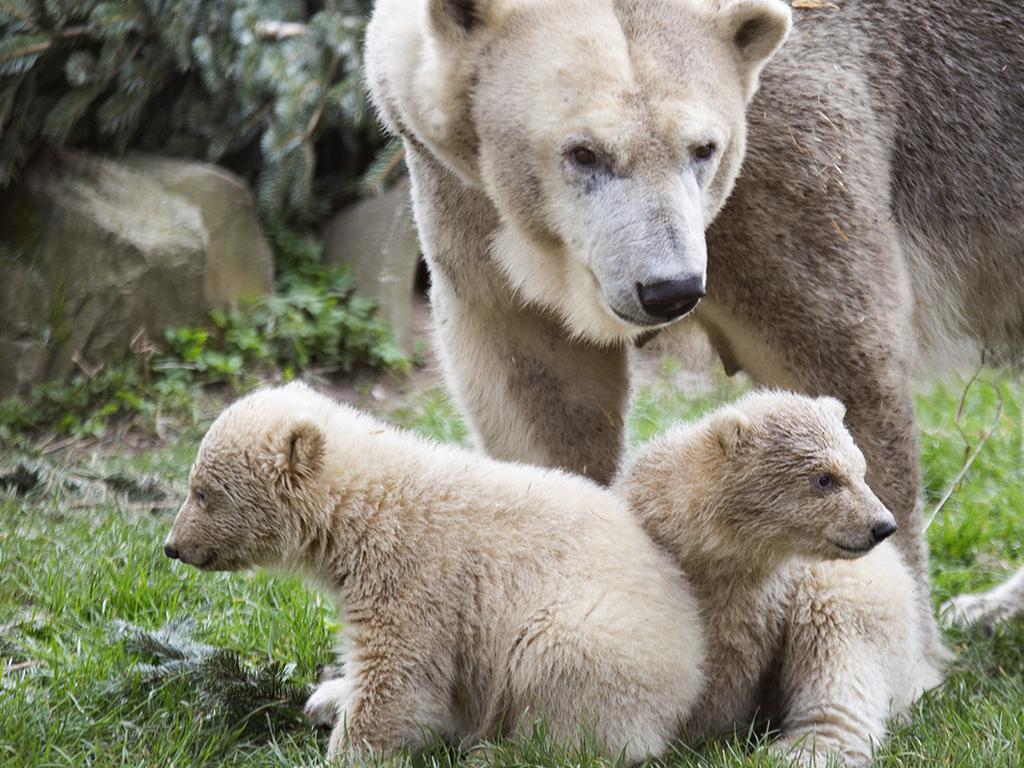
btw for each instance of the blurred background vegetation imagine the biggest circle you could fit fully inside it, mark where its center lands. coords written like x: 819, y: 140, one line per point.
x: 270, y: 89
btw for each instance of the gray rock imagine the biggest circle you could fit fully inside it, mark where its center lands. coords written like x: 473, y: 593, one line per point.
x: 376, y: 237
x: 93, y: 250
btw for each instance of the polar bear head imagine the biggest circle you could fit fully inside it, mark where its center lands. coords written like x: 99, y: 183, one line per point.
x: 772, y: 476
x: 256, y: 494
x: 606, y: 133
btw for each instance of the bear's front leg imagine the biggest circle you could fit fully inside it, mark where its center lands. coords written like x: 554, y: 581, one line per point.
x: 854, y: 656
x: 378, y: 724
x: 833, y: 689
x: 808, y: 750
x: 529, y: 392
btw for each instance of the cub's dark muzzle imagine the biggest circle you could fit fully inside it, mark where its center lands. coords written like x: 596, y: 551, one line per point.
x: 882, y: 531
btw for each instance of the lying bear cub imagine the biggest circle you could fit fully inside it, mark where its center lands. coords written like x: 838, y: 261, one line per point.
x: 810, y: 620
x: 476, y: 596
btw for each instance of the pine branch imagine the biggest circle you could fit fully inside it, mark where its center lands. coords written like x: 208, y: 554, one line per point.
x: 7, y: 98
x: 24, y: 46
x: 258, y: 698
x: 68, y: 111
x: 18, y: 12
x: 279, y: 30
x: 381, y: 172
x: 27, y: 475
x: 197, y: 78
x: 19, y: 52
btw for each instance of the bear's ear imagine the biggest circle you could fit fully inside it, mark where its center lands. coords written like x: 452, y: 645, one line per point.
x: 833, y: 406
x: 300, y: 453
x: 730, y: 427
x: 756, y: 28
x: 452, y: 19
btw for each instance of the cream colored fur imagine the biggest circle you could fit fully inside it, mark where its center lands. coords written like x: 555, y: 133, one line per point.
x: 461, y: 94
x: 475, y: 596
x: 825, y: 647
x: 865, y: 232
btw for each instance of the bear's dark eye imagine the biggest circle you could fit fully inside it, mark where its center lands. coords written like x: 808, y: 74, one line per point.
x: 824, y: 482
x: 583, y: 156
x: 704, y: 151
x: 200, y: 498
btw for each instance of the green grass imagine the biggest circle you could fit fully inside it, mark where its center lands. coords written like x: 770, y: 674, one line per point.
x: 75, y: 562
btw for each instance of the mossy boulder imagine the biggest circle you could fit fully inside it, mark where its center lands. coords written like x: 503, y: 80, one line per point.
x: 95, y: 252
x: 377, y: 238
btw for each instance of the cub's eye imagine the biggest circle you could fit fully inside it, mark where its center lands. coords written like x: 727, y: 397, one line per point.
x: 200, y: 498
x: 583, y: 156
x: 705, y: 151
x: 824, y: 482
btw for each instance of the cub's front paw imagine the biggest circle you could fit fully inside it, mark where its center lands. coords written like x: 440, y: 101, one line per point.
x: 807, y: 752
x: 327, y: 704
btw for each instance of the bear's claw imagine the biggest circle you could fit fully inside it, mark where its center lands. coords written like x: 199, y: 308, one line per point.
x: 327, y: 702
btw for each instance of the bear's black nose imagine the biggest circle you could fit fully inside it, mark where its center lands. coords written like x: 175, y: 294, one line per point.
x: 673, y: 298
x: 882, y: 531
x: 170, y: 551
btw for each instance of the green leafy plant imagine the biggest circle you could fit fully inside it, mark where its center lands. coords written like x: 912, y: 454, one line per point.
x: 314, y: 324
x: 269, y: 88
x: 84, y: 406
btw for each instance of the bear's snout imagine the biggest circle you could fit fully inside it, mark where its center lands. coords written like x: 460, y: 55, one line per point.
x: 171, y: 551
x: 671, y: 299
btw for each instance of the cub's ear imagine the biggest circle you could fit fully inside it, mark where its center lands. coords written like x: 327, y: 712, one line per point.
x: 833, y: 406
x: 300, y: 452
x: 453, y: 19
x: 757, y: 28
x: 730, y: 427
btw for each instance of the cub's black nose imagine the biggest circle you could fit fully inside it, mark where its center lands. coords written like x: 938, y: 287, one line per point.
x: 670, y: 299
x: 882, y: 531
x: 170, y: 551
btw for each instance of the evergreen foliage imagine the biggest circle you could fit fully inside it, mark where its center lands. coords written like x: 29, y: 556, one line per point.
x: 232, y: 693
x: 269, y: 88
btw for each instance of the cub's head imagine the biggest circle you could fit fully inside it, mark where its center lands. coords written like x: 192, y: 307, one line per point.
x: 773, y: 476
x: 254, y: 487
x: 607, y: 134
x: 792, y: 478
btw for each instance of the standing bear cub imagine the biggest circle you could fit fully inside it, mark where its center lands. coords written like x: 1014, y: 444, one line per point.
x: 810, y: 619
x: 476, y: 596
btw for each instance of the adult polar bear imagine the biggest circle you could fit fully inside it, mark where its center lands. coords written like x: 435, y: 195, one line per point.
x: 570, y: 159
